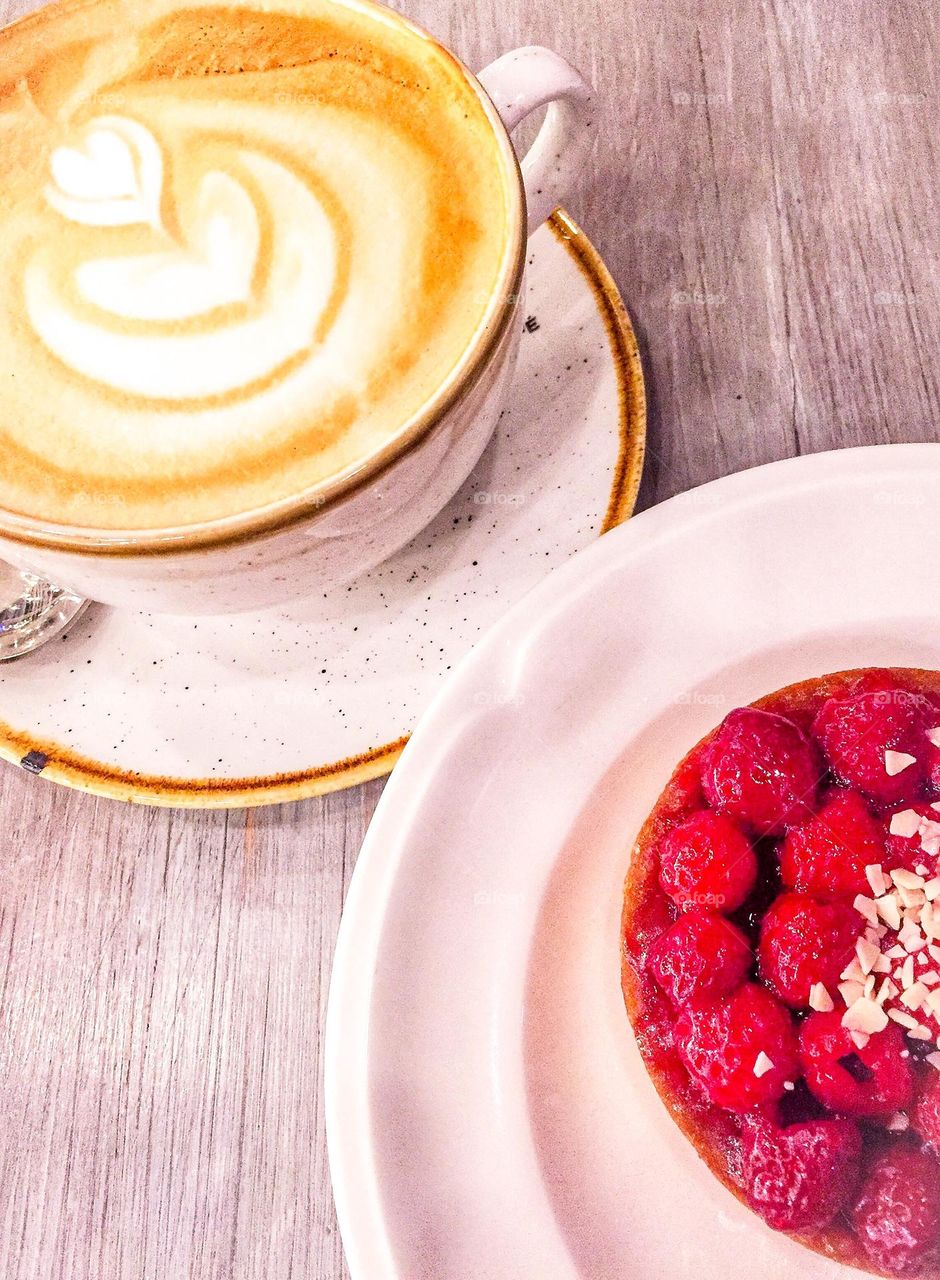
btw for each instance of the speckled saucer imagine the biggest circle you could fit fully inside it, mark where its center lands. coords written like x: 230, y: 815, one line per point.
x: 257, y: 709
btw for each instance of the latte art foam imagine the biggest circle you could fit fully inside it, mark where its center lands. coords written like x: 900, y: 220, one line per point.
x: 242, y: 249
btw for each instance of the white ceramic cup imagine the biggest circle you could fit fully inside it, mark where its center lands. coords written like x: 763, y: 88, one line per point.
x: 328, y: 535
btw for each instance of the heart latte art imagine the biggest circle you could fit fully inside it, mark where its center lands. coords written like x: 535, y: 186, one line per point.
x: 241, y: 249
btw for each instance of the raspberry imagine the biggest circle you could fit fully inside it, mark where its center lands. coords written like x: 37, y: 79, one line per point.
x: 897, y: 1214
x: 721, y: 1041
x: 919, y: 849
x: 857, y: 1082
x: 706, y: 861
x: 857, y: 728
x: 828, y: 853
x: 701, y: 955
x: 926, y: 1115
x: 761, y: 769
x: 800, y: 1176
x: 804, y: 941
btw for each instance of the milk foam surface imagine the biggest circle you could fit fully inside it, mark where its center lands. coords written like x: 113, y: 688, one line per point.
x: 241, y: 247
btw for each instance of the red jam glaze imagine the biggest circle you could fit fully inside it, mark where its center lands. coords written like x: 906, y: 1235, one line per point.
x: 716, y: 1132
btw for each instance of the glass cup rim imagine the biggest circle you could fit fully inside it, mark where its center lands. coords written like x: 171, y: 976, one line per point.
x: 313, y: 501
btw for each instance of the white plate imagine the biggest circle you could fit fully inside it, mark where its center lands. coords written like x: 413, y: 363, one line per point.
x: 279, y: 705
x: 487, y: 1110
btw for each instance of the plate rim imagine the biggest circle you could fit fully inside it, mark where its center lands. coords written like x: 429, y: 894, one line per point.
x: 57, y: 763
x: 356, y: 1192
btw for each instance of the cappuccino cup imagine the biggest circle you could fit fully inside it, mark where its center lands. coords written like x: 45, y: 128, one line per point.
x: 264, y: 271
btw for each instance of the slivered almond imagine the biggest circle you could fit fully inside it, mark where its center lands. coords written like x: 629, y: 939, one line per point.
x: 934, y: 1060
x: 897, y: 761
x: 905, y: 879
x: 866, y: 907
x: 851, y: 991
x: 920, y: 1032
x: 898, y: 1122
x: 914, y: 996
x: 933, y: 735
x: 876, y: 877
x: 820, y: 999
x: 867, y: 954
x: 905, y: 823
x: 762, y: 1065
x: 887, y: 907
x: 901, y: 1018
x: 866, y: 1016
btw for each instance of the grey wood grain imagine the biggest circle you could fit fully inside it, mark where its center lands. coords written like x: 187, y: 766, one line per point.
x: 764, y: 191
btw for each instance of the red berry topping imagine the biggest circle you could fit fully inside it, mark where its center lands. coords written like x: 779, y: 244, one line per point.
x: 706, y: 861
x: 897, y: 1214
x: 913, y: 838
x: 876, y: 739
x: 741, y: 1048
x: 761, y: 769
x: 869, y: 1081
x: 828, y: 853
x: 802, y: 1175
x: 804, y: 941
x: 926, y: 1116
x: 701, y: 955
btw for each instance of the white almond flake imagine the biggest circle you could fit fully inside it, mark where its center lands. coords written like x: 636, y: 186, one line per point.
x: 887, y: 991
x: 896, y: 952
x: 912, y: 900
x: 851, y: 991
x: 762, y: 1065
x: 934, y: 953
x: 934, y: 1060
x: 907, y: 972
x: 866, y: 907
x: 932, y: 889
x: 922, y: 870
x: 789, y: 1086
x: 820, y: 999
x: 859, y: 1039
x: 906, y: 823
x: 867, y: 954
x: 911, y: 938
x: 890, y: 913
x: 882, y: 965
x: 903, y: 1019
x: 905, y: 879
x: 920, y: 1032
x: 933, y: 735
x: 853, y: 972
x: 876, y: 877
x: 897, y: 761
x: 930, y: 979
x: 865, y: 1016
x: 933, y: 1003
x: 898, y: 1122
x: 914, y: 996
x: 921, y: 959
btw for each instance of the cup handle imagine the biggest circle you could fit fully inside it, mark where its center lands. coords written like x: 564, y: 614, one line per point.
x: 518, y: 84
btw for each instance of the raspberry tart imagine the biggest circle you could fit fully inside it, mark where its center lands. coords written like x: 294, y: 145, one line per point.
x: 781, y: 961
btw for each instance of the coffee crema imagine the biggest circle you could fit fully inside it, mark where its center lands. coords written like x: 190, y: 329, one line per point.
x: 241, y: 248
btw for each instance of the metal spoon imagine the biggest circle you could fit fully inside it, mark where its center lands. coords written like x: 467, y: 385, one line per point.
x: 32, y: 611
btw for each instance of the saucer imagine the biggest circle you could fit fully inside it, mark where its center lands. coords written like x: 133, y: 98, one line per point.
x: 262, y: 708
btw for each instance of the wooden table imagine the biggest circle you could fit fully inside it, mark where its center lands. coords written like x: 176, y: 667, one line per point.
x: 764, y: 192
